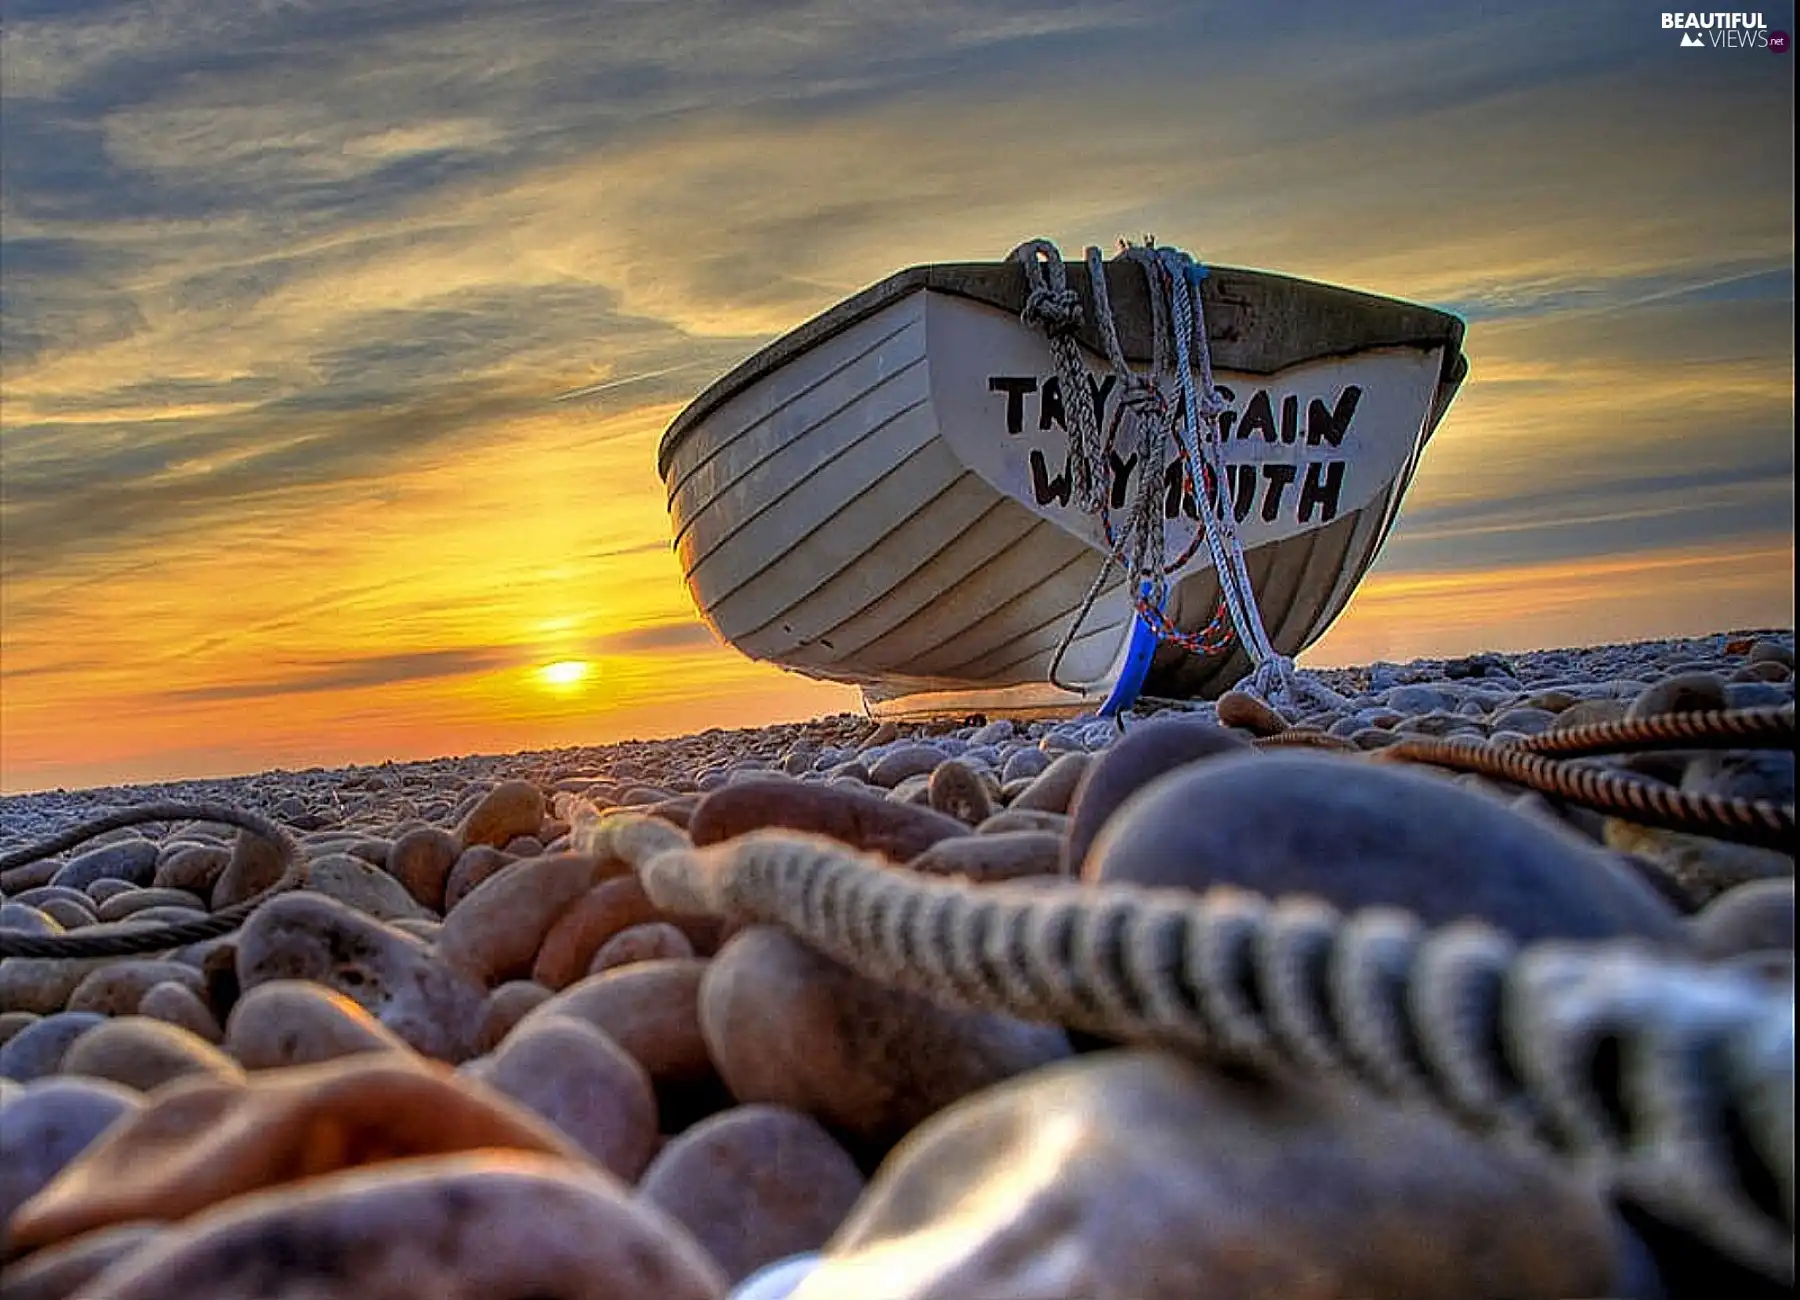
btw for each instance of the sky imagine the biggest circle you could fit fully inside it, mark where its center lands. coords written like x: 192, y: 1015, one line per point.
x: 336, y: 336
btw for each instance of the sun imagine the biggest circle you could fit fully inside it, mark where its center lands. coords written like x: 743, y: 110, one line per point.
x: 565, y: 673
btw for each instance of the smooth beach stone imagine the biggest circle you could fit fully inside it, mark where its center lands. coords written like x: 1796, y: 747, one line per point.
x: 394, y: 977
x: 420, y: 860
x: 194, y: 867
x: 130, y: 860
x: 1023, y: 765
x: 1145, y: 752
x: 467, y: 1227
x: 255, y: 864
x: 984, y: 858
x: 425, y: 928
x: 46, y: 1126
x: 358, y: 884
x: 1771, y: 652
x: 1754, y: 917
x: 176, y: 1004
x: 754, y: 1184
x: 914, y: 790
x: 649, y: 941
x: 958, y: 790
x: 1588, y: 713
x: 473, y: 866
x: 116, y: 988
x: 1758, y: 695
x: 1419, y: 699
x: 574, y: 937
x: 295, y: 1022
x: 14, y: 1022
x: 1761, y: 672
x: 1682, y: 693
x: 650, y: 1008
x: 36, y: 1050
x: 1242, y: 709
x: 591, y: 1089
x: 524, y: 846
x: 63, y: 1272
x: 905, y: 761
x: 510, y: 809
x: 1766, y: 774
x: 131, y: 901
x: 494, y: 934
x: 1053, y: 788
x: 42, y: 984
x: 1701, y: 867
x: 1139, y: 1174
x: 30, y: 875
x: 1024, y: 819
x: 788, y: 1026
x: 202, y: 1141
x: 869, y: 822
x: 106, y: 887
x: 144, y: 1054
x: 504, y: 1008
x: 45, y: 894
x: 25, y: 919
x: 1525, y: 721
x: 1358, y: 835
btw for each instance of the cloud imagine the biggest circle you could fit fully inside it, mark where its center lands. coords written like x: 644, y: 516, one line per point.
x: 357, y: 674
x: 659, y: 637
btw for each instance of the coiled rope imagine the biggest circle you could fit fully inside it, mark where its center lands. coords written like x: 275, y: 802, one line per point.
x: 132, y: 939
x: 1696, y: 1122
x: 1181, y: 349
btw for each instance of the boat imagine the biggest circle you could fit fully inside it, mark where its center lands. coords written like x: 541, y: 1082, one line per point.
x: 885, y: 495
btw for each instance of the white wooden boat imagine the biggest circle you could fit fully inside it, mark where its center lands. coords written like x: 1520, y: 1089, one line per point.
x: 881, y: 497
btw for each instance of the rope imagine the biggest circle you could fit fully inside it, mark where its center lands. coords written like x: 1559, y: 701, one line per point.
x: 1770, y: 728
x: 1180, y: 347
x: 136, y: 939
x: 1650, y: 803
x: 1503, y: 1040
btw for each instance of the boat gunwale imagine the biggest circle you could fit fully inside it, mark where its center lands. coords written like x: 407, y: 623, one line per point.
x: 1374, y: 321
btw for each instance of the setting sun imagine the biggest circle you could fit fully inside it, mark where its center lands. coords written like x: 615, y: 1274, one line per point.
x: 564, y: 673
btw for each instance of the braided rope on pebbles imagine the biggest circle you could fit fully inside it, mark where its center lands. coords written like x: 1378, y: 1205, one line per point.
x: 1696, y: 1121
x: 130, y: 939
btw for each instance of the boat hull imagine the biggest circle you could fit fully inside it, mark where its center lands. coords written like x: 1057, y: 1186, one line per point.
x: 883, y: 499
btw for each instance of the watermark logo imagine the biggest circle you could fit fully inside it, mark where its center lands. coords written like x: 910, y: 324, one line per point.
x: 1724, y: 31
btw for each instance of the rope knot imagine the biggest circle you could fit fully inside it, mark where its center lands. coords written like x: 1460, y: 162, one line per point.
x: 1055, y: 311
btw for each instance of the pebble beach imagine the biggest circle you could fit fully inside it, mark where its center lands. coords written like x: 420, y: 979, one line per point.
x: 471, y: 1057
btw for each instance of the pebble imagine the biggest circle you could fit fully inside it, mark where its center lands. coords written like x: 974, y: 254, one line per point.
x: 958, y: 791
x: 1242, y: 709
x: 650, y: 941
x: 1137, y: 1174
x: 130, y: 860
x: 1145, y: 753
x: 36, y: 1050
x: 175, y: 1003
x: 398, y: 979
x: 650, y: 1008
x: 116, y: 987
x: 420, y: 860
x: 206, y: 1140
x: 254, y: 865
x: 503, y: 1009
x: 48, y: 1124
x: 472, y: 867
x: 295, y: 1022
x: 62, y: 1272
x: 790, y: 1027
x: 753, y: 1185
x: 494, y: 934
x: 1749, y: 918
x: 510, y: 809
x: 465, y: 1227
x: 591, y: 1089
x: 865, y: 821
x: 358, y: 884
x: 1053, y: 788
x: 1004, y: 855
x: 193, y: 867
x: 607, y: 909
x: 144, y: 1054
x: 1362, y: 835
x: 1682, y: 693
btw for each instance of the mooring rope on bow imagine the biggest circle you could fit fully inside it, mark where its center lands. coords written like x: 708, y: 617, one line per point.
x: 1695, y: 1122
x: 1180, y: 348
